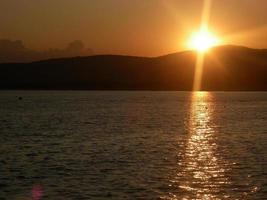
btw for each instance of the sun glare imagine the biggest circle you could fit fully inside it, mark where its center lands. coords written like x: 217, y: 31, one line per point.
x: 202, y: 41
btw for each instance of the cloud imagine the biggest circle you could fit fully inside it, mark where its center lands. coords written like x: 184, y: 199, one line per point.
x: 15, y: 51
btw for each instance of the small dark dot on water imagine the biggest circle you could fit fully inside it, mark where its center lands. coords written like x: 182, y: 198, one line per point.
x: 20, y: 98
x: 46, y: 158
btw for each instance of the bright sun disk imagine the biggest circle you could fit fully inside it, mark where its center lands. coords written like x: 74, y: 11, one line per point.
x: 202, y: 41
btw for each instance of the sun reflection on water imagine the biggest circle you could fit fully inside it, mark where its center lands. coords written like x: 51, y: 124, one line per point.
x: 201, y: 172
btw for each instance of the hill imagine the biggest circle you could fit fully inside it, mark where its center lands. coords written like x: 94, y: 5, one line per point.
x: 225, y: 68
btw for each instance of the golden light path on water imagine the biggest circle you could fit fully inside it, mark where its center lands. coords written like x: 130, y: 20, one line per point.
x: 201, y: 174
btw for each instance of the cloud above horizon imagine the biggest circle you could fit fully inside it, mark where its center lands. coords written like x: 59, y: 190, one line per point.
x: 16, y: 51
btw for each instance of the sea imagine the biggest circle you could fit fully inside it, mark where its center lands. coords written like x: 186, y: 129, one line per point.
x: 75, y: 145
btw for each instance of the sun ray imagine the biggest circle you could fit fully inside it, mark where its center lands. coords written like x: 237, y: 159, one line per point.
x: 201, y: 55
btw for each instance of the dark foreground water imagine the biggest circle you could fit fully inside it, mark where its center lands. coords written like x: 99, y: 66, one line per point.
x: 133, y: 145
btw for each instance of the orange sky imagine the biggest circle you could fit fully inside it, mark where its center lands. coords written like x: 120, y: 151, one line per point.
x: 133, y: 27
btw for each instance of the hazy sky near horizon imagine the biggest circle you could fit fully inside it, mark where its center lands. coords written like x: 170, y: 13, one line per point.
x: 133, y: 27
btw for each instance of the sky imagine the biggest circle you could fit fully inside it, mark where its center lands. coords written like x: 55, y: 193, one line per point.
x: 130, y: 27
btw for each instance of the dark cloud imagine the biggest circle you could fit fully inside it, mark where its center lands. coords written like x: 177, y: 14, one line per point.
x: 15, y: 51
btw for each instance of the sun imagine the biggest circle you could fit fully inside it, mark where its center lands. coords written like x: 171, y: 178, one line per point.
x: 202, y: 41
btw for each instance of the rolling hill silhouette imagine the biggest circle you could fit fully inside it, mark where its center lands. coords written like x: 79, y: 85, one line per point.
x: 226, y: 68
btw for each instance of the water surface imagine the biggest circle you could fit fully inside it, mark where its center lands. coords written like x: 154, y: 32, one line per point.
x: 133, y: 145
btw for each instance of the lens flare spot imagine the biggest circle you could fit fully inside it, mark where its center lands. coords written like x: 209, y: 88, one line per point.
x: 37, y: 192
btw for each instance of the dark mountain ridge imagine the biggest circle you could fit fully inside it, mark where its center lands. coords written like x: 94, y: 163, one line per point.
x: 225, y: 68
